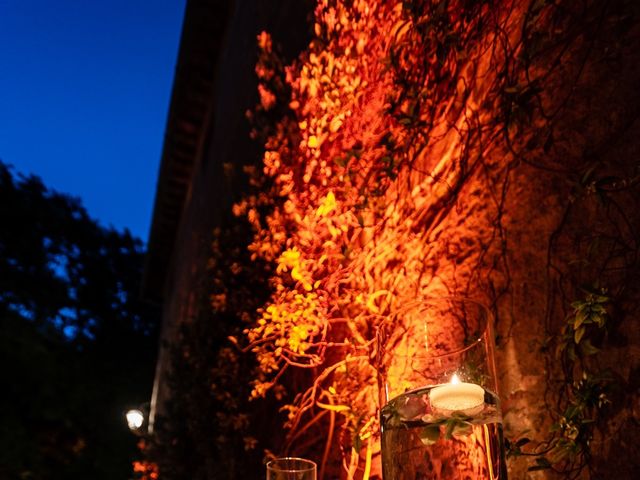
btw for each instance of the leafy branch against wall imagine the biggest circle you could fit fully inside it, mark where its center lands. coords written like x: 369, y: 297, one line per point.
x: 393, y: 147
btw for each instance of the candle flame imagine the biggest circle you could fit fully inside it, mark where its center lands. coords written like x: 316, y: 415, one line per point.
x: 455, y: 380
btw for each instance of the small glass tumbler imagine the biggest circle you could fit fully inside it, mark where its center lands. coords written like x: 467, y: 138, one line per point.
x: 440, y: 414
x: 291, y: 468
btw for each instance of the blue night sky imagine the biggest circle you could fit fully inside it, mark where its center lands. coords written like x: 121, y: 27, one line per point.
x: 84, y: 91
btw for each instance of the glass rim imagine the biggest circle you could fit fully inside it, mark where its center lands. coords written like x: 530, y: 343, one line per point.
x: 485, y: 323
x: 307, y: 465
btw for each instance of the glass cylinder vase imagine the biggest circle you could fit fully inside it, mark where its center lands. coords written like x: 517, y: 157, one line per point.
x: 440, y: 415
x: 291, y: 468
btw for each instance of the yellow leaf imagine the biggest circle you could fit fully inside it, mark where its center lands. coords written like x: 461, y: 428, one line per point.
x: 371, y: 302
x: 333, y: 408
x: 327, y: 205
x: 335, y: 124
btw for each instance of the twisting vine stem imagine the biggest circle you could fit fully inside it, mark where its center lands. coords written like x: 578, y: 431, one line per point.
x: 390, y: 147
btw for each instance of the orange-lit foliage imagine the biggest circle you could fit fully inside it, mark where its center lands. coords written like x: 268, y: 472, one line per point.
x: 143, y: 469
x: 393, y: 116
x: 386, y: 183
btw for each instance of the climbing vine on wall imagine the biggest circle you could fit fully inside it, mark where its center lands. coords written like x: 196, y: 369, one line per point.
x: 390, y: 145
x: 386, y: 129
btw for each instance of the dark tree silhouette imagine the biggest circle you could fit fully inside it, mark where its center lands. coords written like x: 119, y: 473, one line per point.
x: 77, y: 345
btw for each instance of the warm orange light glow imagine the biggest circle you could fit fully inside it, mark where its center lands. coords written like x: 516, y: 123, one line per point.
x: 387, y: 127
x: 145, y: 470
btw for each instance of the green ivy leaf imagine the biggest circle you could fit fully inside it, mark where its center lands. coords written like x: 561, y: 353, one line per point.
x: 581, y: 316
x: 571, y: 412
x: 462, y: 429
x: 587, y: 348
x: 541, y: 464
x: 579, y: 333
x: 430, y: 435
x: 451, y: 424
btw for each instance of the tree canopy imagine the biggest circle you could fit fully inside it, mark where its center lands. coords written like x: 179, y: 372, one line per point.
x: 77, y: 344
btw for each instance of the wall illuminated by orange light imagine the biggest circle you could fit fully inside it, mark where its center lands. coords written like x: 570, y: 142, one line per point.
x: 386, y: 182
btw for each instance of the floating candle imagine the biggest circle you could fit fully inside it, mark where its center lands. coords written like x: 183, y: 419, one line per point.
x: 457, y: 396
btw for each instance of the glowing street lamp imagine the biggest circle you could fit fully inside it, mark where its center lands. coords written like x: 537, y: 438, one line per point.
x: 135, y: 419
